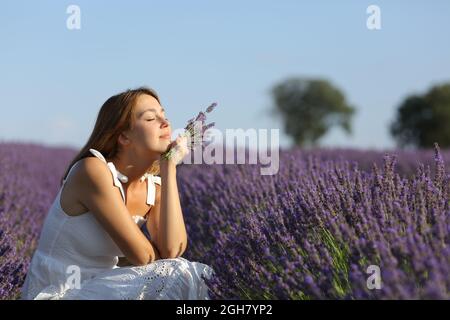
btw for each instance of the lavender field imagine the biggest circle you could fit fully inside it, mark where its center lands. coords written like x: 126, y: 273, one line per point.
x: 309, y: 232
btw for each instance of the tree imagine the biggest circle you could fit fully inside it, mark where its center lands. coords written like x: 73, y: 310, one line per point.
x: 310, y: 107
x: 422, y: 120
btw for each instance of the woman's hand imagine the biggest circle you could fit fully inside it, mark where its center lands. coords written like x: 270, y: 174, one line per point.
x: 177, y: 150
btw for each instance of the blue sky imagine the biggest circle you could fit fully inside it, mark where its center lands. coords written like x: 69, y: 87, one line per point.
x: 54, y: 80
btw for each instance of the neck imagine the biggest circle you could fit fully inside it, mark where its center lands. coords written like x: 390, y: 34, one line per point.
x: 133, y: 166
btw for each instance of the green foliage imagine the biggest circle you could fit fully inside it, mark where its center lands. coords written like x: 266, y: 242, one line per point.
x: 310, y: 107
x: 339, y: 255
x: 422, y: 120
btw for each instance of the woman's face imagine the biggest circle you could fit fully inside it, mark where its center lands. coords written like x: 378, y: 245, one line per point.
x: 152, y: 131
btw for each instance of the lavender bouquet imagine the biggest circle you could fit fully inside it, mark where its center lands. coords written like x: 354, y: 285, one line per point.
x: 192, y: 137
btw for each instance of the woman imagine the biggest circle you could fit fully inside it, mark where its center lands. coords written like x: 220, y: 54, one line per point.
x: 116, y: 229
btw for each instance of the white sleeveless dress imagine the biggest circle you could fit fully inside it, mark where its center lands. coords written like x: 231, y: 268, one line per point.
x: 77, y: 259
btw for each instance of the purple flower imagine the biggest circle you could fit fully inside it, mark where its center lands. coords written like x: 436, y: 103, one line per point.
x: 211, y: 107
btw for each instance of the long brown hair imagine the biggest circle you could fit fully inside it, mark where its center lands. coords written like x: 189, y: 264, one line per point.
x: 114, y: 117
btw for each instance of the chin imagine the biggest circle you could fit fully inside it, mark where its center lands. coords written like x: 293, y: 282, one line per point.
x: 156, y: 149
x: 163, y: 149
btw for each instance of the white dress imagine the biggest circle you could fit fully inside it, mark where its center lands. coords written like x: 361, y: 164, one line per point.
x: 77, y: 259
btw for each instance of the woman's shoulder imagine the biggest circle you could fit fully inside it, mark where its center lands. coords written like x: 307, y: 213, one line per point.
x: 93, y: 183
x: 81, y: 177
x: 91, y: 169
x: 89, y: 173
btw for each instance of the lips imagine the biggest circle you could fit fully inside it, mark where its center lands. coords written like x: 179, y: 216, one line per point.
x: 166, y: 136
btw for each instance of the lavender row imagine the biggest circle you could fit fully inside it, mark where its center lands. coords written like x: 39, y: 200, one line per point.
x: 309, y: 232
x: 29, y: 176
x: 313, y: 230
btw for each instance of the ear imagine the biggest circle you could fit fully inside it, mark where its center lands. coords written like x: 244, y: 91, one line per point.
x: 123, y: 139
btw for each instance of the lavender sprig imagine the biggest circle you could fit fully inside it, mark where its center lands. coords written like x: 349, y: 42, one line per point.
x: 194, y: 131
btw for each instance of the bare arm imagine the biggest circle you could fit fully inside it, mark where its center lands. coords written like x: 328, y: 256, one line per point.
x: 99, y: 195
x: 166, y: 223
x: 123, y: 261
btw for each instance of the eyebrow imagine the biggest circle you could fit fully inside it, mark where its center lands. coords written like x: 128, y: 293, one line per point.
x: 151, y: 109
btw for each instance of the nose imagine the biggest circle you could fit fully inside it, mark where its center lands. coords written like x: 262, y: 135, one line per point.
x: 165, y: 122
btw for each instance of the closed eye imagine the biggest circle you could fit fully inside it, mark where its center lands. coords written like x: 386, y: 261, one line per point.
x: 154, y: 119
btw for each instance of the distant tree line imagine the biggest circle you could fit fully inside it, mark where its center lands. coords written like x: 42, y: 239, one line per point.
x: 311, y: 107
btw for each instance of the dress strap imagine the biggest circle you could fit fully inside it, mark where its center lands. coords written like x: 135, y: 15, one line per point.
x: 113, y: 170
x: 151, y: 188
